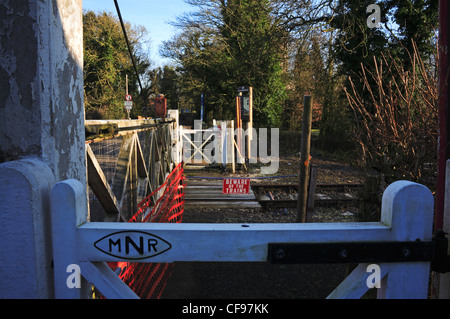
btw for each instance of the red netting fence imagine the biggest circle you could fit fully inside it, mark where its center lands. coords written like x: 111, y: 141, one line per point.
x: 148, y: 280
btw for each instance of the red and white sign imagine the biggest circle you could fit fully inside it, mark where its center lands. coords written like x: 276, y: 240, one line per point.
x: 128, y: 103
x: 236, y: 186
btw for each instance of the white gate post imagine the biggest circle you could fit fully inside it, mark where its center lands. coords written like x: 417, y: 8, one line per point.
x: 26, y: 252
x: 407, y: 208
x: 68, y: 212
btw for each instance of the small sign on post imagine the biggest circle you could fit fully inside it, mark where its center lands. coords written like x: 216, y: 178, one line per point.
x: 236, y: 186
x: 128, y: 103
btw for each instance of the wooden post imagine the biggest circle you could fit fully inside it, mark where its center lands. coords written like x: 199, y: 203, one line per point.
x: 311, y: 193
x: 304, y: 160
x: 126, y: 94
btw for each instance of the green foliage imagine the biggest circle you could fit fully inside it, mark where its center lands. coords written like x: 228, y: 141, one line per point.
x: 236, y: 44
x: 255, y: 45
x: 169, y: 86
x: 355, y: 42
x: 417, y: 20
x: 106, y: 64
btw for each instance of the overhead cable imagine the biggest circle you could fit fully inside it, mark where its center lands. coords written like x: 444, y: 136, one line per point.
x: 132, y: 57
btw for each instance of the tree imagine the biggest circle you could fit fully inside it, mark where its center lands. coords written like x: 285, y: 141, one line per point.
x: 353, y: 45
x: 256, y: 45
x: 225, y: 45
x: 307, y: 77
x: 107, y: 62
x: 169, y: 87
x: 416, y: 20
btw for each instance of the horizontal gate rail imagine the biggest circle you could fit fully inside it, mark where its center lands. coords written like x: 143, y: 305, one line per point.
x: 407, y: 216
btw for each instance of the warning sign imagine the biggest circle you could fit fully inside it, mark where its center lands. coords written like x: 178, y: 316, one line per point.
x: 236, y: 186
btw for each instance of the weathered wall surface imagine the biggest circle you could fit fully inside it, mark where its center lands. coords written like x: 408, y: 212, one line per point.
x: 19, y: 108
x: 41, y: 84
x: 41, y: 134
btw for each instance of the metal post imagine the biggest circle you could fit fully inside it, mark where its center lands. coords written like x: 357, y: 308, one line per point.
x: 239, y: 126
x: 250, y: 124
x: 443, y: 151
x: 304, y: 160
x: 202, y: 106
x: 442, y: 280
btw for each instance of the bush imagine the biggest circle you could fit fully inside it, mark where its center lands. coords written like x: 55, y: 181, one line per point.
x: 397, y: 118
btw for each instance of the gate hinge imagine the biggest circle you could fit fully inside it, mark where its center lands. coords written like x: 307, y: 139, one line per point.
x: 350, y: 252
x: 441, y: 259
x: 434, y: 251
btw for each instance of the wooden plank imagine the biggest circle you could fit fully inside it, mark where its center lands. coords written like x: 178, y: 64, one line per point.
x: 190, y: 183
x: 203, y: 187
x: 106, y: 281
x: 141, y: 166
x: 151, y: 163
x: 100, y: 186
x: 224, y: 242
x: 132, y: 183
x: 119, y: 186
x: 215, y: 193
x: 220, y: 205
x: 146, y: 145
x: 225, y: 197
x: 208, y: 195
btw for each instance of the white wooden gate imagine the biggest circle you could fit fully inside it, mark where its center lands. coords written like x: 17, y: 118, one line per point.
x: 406, y: 221
x: 215, y: 145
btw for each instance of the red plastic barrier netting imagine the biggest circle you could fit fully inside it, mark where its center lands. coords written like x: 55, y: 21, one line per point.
x: 148, y: 280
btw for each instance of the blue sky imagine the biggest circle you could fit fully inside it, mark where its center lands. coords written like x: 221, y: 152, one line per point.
x: 153, y: 14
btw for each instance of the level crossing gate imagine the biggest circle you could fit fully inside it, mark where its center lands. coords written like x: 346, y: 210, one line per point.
x: 212, y: 145
x: 51, y: 148
x: 400, y: 244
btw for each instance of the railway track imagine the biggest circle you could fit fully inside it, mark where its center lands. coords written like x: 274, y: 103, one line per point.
x: 325, y: 195
x: 284, y: 195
